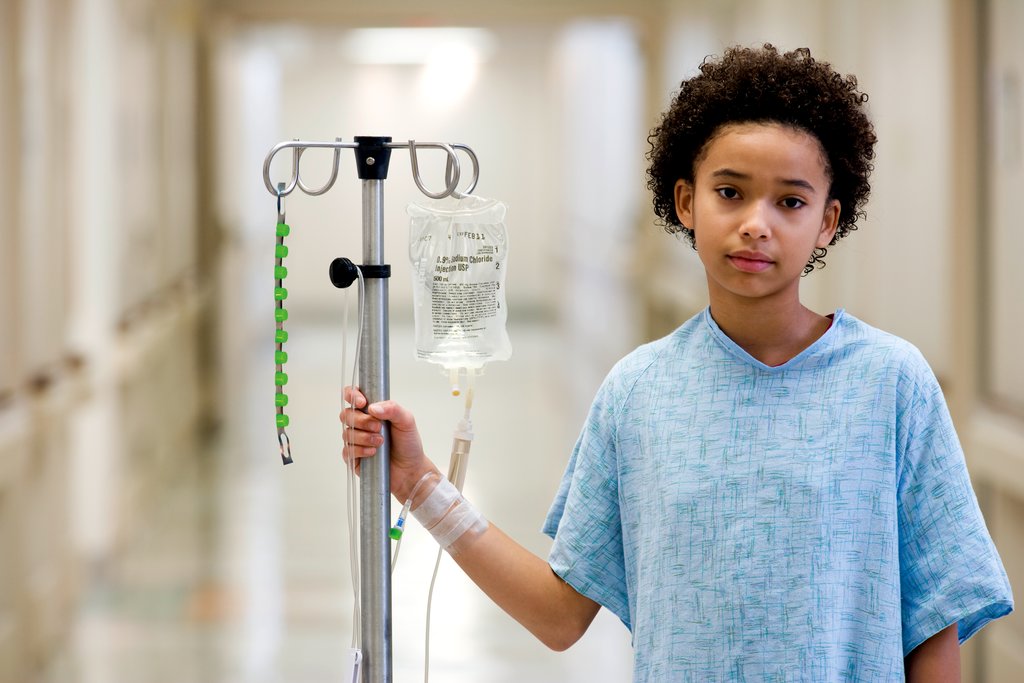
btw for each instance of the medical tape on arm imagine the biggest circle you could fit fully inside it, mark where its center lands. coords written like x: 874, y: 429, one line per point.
x: 445, y: 513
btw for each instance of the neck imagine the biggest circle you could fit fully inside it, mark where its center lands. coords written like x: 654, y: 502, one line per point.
x: 773, y: 332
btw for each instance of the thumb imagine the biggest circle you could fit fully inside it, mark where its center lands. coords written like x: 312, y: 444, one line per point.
x: 394, y: 413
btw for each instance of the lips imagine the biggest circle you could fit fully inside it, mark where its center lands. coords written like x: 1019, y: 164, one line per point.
x: 750, y: 261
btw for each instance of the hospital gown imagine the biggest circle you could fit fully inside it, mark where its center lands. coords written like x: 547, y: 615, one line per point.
x: 807, y: 522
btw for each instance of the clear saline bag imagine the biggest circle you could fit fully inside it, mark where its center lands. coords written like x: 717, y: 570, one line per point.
x: 459, y: 249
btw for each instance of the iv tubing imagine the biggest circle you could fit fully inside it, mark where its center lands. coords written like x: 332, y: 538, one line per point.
x: 457, y: 465
x: 399, y: 525
x: 352, y: 489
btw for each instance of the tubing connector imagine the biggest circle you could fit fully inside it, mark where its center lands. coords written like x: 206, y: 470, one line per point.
x: 464, y: 430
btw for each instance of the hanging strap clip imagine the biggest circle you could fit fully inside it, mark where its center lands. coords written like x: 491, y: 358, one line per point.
x: 286, y: 446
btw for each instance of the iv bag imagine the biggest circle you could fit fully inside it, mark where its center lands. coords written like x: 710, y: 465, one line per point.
x: 459, y: 249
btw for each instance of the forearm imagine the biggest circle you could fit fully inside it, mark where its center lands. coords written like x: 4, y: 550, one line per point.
x: 518, y: 581
x: 936, y: 660
x: 527, y: 589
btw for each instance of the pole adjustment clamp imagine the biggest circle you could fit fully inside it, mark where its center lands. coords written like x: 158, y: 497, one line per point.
x: 343, y: 272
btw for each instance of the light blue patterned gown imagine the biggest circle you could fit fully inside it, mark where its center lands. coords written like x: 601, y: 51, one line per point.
x: 807, y: 522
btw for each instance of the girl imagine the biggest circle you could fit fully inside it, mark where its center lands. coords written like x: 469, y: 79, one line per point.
x: 767, y: 493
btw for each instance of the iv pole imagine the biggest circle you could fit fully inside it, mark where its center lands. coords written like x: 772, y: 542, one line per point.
x: 373, y: 155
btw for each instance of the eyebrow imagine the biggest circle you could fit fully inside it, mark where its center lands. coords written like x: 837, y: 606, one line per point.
x: 736, y: 175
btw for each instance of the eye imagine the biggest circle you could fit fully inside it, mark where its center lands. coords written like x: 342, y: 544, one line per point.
x: 728, y: 192
x: 793, y: 203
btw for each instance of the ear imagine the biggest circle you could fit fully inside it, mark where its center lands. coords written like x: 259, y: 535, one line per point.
x: 829, y: 223
x: 684, y: 203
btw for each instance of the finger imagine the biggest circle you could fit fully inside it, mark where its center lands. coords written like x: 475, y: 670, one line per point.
x: 350, y: 452
x: 354, y: 397
x: 356, y: 437
x: 357, y: 419
x: 349, y: 461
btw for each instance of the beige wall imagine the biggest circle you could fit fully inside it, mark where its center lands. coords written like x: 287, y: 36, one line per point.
x: 993, y: 418
x: 9, y: 194
x: 39, y: 568
x: 41, y: 257
x: 98, y: 147
x: 1002, y: 276
x: 12, y: 427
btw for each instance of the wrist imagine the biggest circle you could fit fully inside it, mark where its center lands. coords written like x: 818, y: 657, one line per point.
x: 403, y: 485
x: 445, y: 513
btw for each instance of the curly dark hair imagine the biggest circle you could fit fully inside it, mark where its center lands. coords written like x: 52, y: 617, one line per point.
x: 761, y: 85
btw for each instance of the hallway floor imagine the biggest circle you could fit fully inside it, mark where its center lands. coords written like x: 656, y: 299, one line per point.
x: 239, y: 571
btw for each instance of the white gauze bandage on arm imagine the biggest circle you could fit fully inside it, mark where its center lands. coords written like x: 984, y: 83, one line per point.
x: 445, y: 513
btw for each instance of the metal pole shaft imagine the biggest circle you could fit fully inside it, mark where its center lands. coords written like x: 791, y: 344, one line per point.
x: 375, y: 480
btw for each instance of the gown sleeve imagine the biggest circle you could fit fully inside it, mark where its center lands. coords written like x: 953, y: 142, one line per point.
x: 584, y: 518
x: 950, y: 570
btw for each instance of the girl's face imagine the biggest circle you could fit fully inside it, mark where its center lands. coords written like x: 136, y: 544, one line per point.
x: 758, y: 207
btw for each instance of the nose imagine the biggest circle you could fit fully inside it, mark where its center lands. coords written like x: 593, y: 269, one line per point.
x: 756, y: 222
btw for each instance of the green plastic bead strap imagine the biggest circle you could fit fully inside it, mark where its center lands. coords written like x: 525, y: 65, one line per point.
x: 280, y: 315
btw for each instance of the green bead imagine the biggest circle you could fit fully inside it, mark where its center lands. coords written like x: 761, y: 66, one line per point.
x: 282, y: 420
x: 280, y: 400
x: 280, y: 272
x: 280, y: 293
x: 281, y: 314
x: 280, y: 357
x: 283, y: 229
x: 280, y: 379
x: 395, y: 533
x: 280, y: 336
x: 280, y: 251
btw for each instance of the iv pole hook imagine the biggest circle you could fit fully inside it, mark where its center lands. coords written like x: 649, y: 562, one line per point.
x: 452, y: 171
x: 476, y: 172
x: 330, y: 181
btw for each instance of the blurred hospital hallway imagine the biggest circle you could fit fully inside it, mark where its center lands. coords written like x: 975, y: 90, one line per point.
x: 148, y: 531
x: 239, y: 570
